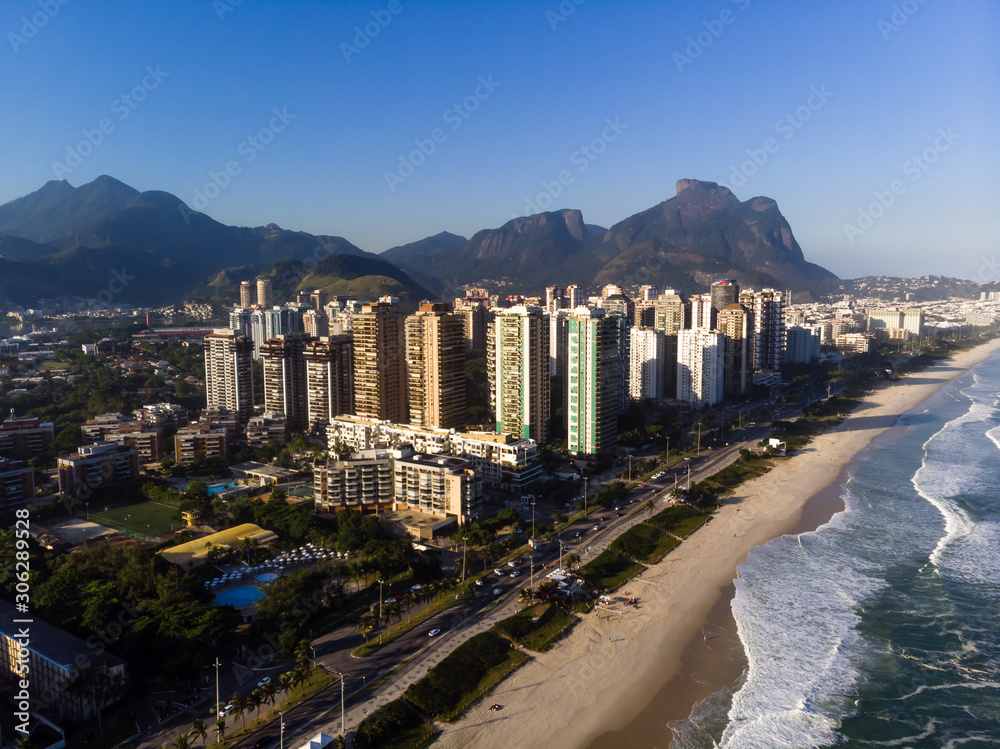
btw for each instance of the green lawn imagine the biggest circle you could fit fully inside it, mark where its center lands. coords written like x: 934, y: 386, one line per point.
x: 147, y: 518
x: 467, y: 674
x: 610, y: 570
x: 645, y: 543
x: 536, y: 628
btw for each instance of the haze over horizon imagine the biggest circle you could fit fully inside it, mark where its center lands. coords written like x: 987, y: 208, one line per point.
x: 387, y: 122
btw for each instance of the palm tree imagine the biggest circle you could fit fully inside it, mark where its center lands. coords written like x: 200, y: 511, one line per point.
x: 239, y: 706
x: 269, y: 693
x: 255, y: 698
x: 285, y: 682
x: 221, y: 725
x: 198, y: 728
x: 572, y: 560
x: 407, y: 603
x: 181, y: 742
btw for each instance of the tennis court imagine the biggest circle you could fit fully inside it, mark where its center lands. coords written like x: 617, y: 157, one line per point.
x: 148, y: 518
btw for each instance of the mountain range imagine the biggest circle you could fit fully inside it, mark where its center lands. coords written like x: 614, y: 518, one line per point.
x: 106, y: 240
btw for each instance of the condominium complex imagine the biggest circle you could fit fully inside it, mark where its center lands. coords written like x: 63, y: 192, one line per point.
x: 909, y: 320
x: 248, y: 294
x: 724, y: 293
x: 518, y: 370
x: 380, y: 363
x: 593, y: 381
x: 229, y: 373
x: 265, y: 296
x: 802, y: 344
x: 702, y: 312
x: 435, y: 367
x: 329, y: 378
x: 700, y: 366
x: 25, y: 438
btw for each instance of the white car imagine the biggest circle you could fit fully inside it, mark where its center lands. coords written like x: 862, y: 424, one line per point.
x: 515, y: 573
x: 263, y: 682
x: 434, y: 633
x: 497, y: 591
x: 498, y: 571
x: 480, y: 583
x: 226, y: 710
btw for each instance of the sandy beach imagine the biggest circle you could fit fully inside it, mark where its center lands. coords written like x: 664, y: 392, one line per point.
x: 593, y: 688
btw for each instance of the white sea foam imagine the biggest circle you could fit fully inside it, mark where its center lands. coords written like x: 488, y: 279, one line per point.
x: 928, y: 731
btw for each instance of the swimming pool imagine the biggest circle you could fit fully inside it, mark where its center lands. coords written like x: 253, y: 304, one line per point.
x: 218, y: 488
x: 267, y: 577
x: 244, y: 595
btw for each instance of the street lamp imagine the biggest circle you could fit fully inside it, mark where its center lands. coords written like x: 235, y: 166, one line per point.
x: 281, y: 730
x: 218, y: 728
x: 688, y: 463
x: 343, y: 730
x: 380, y: 611
x: 585, y: 480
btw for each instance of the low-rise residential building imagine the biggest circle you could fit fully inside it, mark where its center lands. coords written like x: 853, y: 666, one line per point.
x: 503, y: 460
x: 440, y: 485
x: 357, y: 481
x: 53, y: 658
x: 24, y: 438
x: 17, y: 481
x: 202, y: 439
x: 98, y: 465
x: 268, y: 427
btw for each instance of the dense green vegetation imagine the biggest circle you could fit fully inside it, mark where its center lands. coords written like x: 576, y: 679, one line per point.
x: 395, y: 726
x: 536, y: 628
x: 467, y: 674
x: 609, y: 570
x: 645, y: 543
x: 680, y: 520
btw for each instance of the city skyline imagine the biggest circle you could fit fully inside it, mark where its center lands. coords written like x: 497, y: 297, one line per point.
x: 870, y: 125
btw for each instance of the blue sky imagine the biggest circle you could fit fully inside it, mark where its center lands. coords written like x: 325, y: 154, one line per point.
x: 821, y: 106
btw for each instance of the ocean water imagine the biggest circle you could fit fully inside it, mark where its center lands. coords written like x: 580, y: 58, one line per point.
x: 882, y: 627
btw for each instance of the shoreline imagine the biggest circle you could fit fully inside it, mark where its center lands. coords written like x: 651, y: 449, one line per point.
x: 618, y: 680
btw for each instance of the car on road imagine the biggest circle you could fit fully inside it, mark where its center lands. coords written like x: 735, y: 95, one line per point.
x: 434, y: 633
x: 642, y: 486
x: 515, y: 573
x: 263, y: 682
x: 497, y: 591
x: 498, y: 571
x: 578, y: 534
x: 480, y: 582
x: 619, y: 514
x: 512, y: 563
x: 597, y: 527
x: 226, y: 710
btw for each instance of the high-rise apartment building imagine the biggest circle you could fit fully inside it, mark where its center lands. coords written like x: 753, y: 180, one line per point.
x: 435, y: 366
x: 646, y: 293
x: 315, y: 323
x: 329, y: 378
x: 736, y: 325
x: 318, y: 299
x: 768, y: 311
x: 239, y: 321
x: 475, y: 318
x: 700, y: 366
x: 554, y: 298
x: 702, y: 313
x: 285, y: 379
x: 229, y: 373
x: 802, y: 344
x: 265, y: 295
x: 669, y: 320
x: 518, y: 370
x: 724, y: 293
x: 574, y: 297
x: 380, y: 362
x: 593, y: 381
x: 557, y: 341
x: 647, y: 363
x: 248, y: 294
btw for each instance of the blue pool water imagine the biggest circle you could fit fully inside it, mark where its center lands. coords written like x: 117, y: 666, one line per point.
x: 220, y: 488
x: 267, y: 577
x: 239, y: 597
